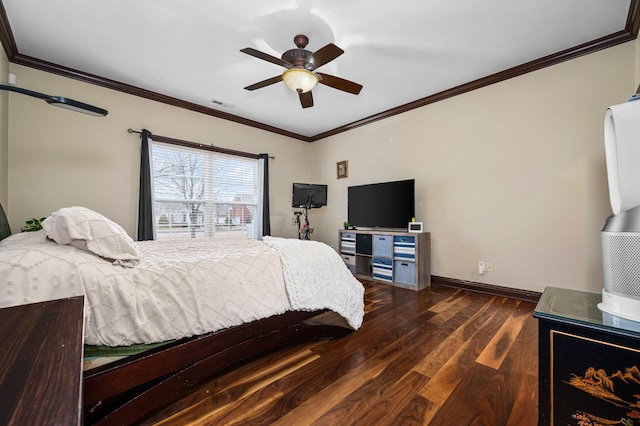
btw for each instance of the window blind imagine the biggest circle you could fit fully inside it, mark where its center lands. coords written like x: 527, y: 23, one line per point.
x: 200, y: 193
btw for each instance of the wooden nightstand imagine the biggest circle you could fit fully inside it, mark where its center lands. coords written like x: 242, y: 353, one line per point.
x: 41, y: 363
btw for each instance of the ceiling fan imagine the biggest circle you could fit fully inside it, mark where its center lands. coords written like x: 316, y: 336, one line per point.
x: 300, y: 64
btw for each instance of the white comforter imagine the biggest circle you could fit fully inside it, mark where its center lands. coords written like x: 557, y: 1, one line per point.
x: 180, y: 288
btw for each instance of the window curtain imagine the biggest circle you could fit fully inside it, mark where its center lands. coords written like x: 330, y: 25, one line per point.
x: 265, y: 216
x: 146, y: 230
x: 5, y: 230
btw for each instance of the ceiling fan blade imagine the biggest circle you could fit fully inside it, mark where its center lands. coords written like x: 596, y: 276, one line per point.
x: 306, y: 99
x: 340, y: 83
x: 323, y: 55
x: 266, y: 57
x: 264, y: 83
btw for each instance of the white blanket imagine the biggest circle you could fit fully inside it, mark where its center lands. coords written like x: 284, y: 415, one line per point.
x: 179, y: 289
x: 313, y: 284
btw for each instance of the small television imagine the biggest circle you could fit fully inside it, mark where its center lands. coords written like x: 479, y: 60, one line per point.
x: 309, y: 195
x: 382, y: 205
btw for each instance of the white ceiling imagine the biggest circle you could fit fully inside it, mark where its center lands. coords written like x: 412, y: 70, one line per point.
x: 399, y: 51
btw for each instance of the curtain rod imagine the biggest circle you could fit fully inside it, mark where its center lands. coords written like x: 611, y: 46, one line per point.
x: 199, y: 145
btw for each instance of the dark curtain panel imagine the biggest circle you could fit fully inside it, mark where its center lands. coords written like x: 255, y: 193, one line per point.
x: 266, y: 221
x: 145, y: 203
x: 5, y: 230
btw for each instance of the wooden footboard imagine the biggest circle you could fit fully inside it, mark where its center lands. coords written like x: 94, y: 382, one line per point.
x: 127, y: 390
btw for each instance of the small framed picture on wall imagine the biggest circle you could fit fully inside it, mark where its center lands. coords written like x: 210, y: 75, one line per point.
x: 342, y: 169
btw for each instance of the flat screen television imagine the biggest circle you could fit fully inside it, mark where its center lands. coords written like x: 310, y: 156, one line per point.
x: 382, y: 205
x: 309, y: 195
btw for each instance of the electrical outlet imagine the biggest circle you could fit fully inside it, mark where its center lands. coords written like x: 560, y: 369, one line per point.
x: 481, y: 267
x: 489, y: 267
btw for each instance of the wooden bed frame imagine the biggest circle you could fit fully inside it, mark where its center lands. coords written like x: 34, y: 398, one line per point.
x: 127, y: 390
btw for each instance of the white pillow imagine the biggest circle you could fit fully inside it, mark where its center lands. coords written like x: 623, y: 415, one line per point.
x: 90, y: 231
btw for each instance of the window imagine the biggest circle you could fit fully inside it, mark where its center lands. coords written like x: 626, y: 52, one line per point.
x: 200, y: 193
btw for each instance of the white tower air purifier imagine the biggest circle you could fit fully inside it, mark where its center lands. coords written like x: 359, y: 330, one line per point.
x: 620, y: 236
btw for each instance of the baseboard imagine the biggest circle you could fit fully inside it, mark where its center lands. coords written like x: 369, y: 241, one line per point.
x: 495, y: 290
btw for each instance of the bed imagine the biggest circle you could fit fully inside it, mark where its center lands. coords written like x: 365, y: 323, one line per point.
x: 180, y: 310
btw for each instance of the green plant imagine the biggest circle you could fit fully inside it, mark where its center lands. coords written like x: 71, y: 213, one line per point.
x: 346, y: 224
x: 32, y: 225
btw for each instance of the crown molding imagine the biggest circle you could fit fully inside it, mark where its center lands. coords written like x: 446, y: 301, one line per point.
x: 630, y: 32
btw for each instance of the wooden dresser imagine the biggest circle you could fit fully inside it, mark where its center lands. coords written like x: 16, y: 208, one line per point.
x: 41, y: 363
x: 589, y: 362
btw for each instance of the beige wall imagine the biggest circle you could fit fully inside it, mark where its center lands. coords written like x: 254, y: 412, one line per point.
x: 512, y: 174
x: 4, y: 128
x: 60, y: 158
x: 637, y: 64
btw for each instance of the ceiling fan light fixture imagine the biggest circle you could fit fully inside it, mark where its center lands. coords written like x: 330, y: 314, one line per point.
x: 300, y: 80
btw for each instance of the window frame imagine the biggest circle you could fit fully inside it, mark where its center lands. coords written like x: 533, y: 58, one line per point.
x: 254, y: 207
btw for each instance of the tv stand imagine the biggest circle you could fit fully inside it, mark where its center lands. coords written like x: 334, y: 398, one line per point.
x: 398, y: 258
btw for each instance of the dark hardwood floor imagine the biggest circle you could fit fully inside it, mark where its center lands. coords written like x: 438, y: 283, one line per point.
x: 440, y: 356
